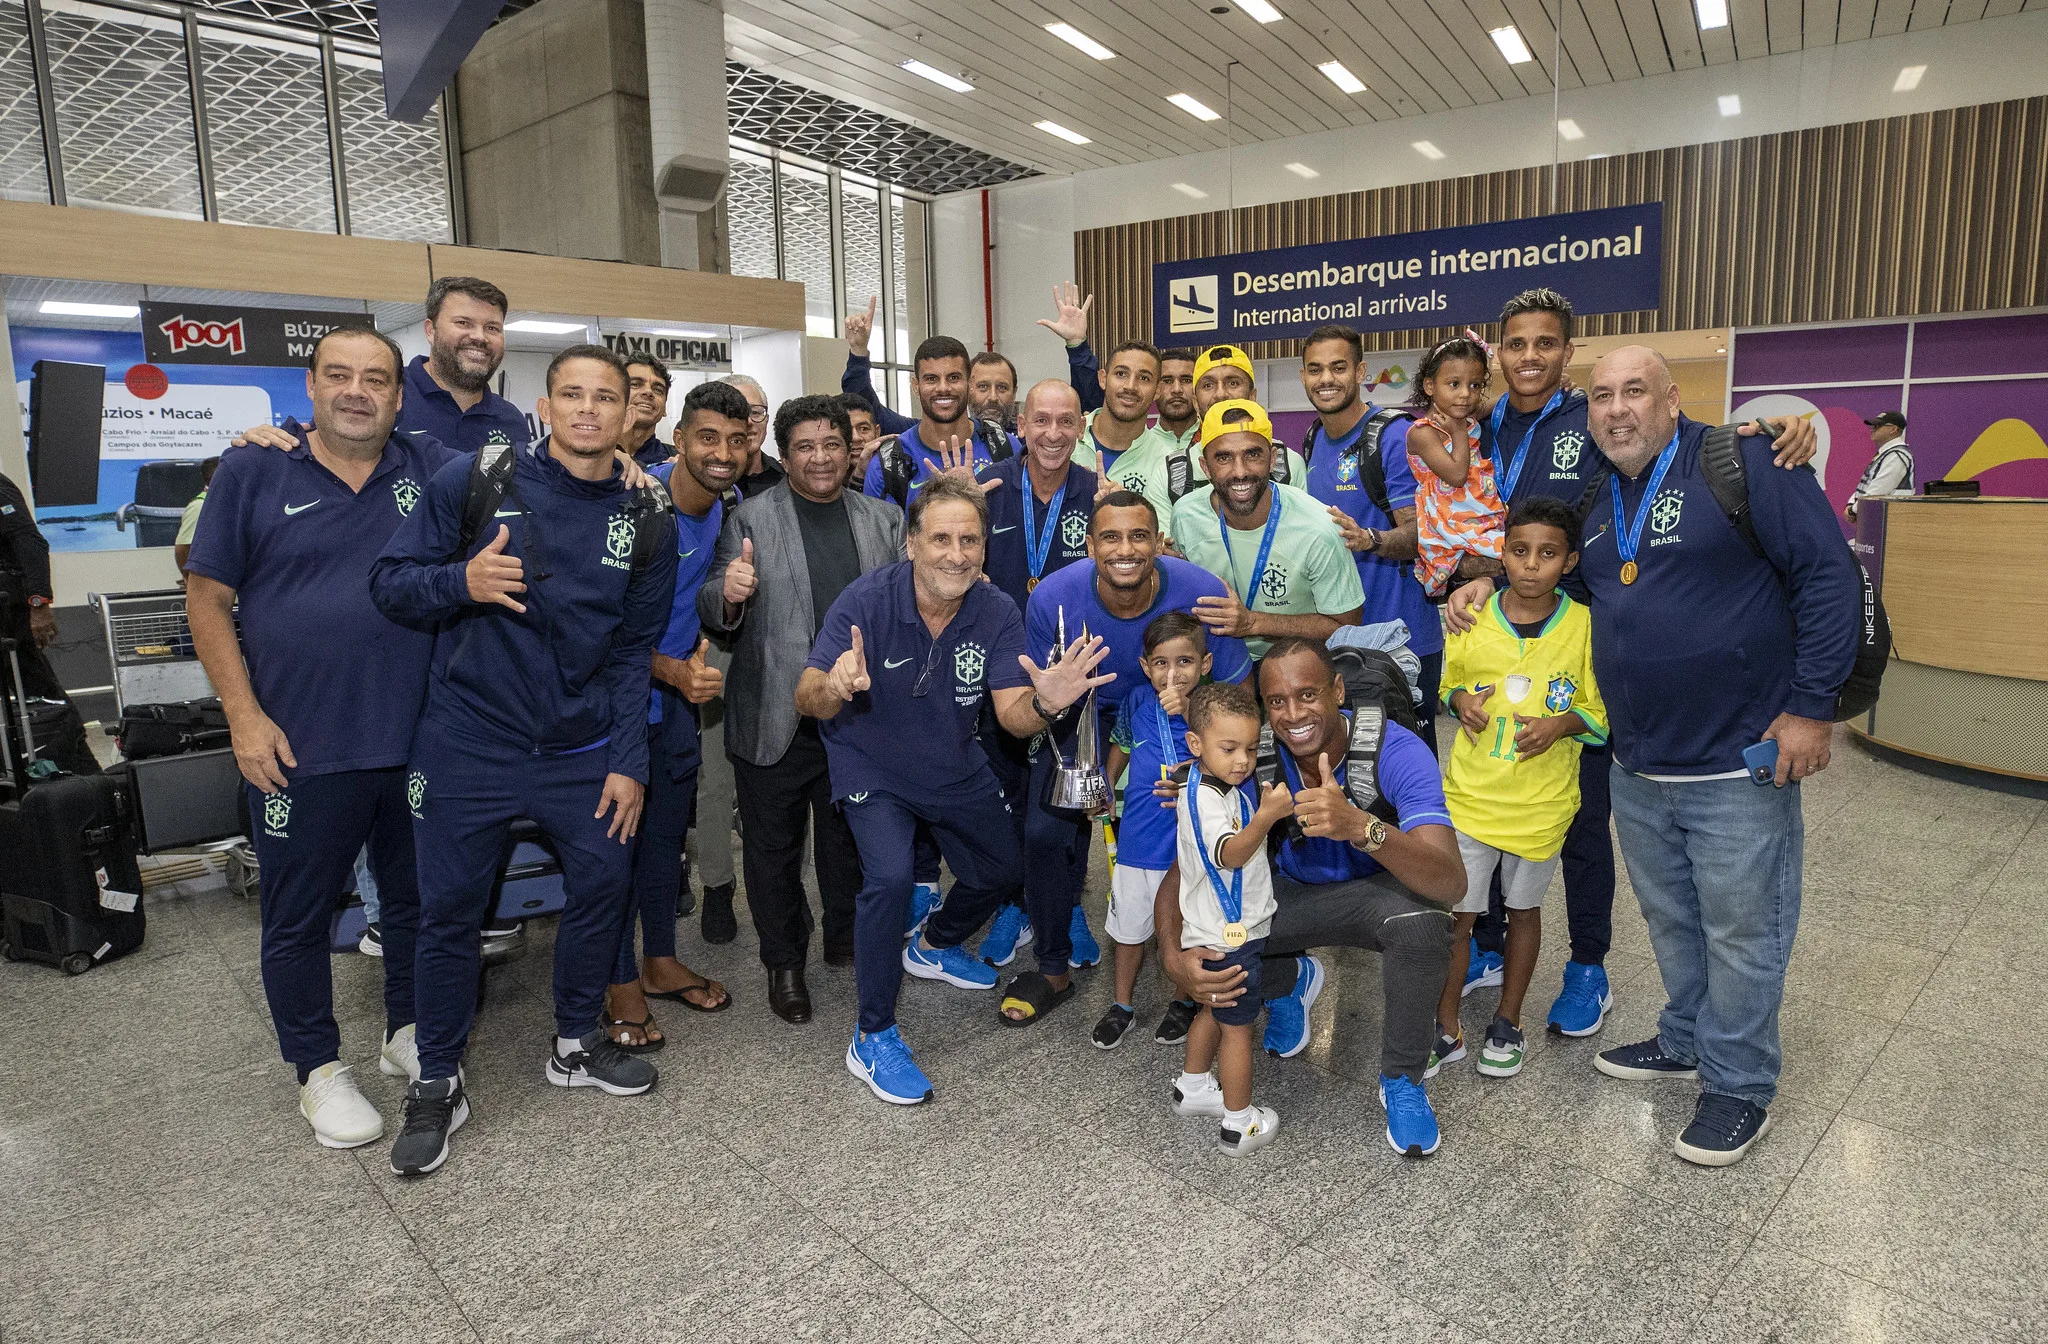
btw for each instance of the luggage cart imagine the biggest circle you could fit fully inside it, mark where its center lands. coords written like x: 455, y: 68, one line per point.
x: 149, y: 646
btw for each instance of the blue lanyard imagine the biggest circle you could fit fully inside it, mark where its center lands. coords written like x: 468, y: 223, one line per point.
x: 1514, y: 464
x: 1626, y: 536
x: 1231, y: 898
x: 1036, y: 547
x: 1251, y: 595
x: 1165, y: 736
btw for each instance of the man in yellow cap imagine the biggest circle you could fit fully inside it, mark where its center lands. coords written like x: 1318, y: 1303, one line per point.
x: 1222, y: 373
x: 1273, y: 545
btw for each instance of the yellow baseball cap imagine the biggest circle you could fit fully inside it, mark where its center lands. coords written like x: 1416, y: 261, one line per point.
x: 1239, y: 415
x: 1215, y: 355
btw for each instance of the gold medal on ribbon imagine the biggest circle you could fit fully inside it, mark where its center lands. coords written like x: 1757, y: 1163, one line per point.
x: 1233, y: 934
x: 1629, y: 571
x: 1030, y: 584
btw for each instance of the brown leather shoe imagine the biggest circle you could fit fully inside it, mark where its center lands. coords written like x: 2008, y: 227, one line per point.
x: 788, y: 997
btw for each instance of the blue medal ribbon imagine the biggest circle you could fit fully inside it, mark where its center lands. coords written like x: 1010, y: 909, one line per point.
x: 1230, y: 897
x: 1251, y: 595
x: 1627, y: 535
x: 1514, y: 464
x: 1036, y: 547
x: 1165, y: 738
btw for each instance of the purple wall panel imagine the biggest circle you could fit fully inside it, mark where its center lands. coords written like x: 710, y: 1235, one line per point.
x: 1820, y: 355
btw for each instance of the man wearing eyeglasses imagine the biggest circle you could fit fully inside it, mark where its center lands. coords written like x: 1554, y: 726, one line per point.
x: 761, y: 471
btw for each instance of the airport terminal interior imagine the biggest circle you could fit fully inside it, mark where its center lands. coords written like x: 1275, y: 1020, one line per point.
x: 330, y: 1011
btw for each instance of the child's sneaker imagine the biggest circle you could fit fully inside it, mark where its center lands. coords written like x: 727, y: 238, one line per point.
x: 1173, y: 1026
x: 1241, y: 1137
x: 1501, y: 1056
x: 1199, y: 1095
x: 1087, y: 952
x: 1482, y: 969
x: 1448, y: 1050
x: 1109, y: 1032
x: 1008, y: 934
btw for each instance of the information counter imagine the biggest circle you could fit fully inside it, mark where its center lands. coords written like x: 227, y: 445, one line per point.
x: 1965, y: 582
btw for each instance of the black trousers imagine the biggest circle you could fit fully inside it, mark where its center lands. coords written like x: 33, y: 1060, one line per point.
x: 1588, y: 863
x: 776, y: 801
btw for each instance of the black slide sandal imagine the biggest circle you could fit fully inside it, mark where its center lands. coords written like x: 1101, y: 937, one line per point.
x: 1035, y: 994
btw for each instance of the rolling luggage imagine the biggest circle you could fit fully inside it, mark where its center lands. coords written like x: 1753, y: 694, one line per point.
x: 529, y: 883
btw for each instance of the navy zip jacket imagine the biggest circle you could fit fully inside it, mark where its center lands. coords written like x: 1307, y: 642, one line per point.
x: 1710, y: 643
x: 570, y: 674
x: 1561, y: 452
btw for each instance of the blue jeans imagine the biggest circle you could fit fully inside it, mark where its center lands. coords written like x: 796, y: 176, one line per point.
x: 366, y: 886
x: 1716, y: 868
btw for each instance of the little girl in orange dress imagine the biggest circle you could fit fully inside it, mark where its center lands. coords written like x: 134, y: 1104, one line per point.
x: 1457, y: 507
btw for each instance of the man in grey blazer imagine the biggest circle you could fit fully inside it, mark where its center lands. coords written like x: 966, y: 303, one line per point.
x: 783, y: 557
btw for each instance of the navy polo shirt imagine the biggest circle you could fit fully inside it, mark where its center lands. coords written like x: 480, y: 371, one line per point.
x: 342, y: 680
x: 1391, y: 592
x: 871, y: 484
x: 1073, y: 589
x: 1409, y: 779
x: 911, y: 733
x: 430, y: 410
x: 1009, y: 562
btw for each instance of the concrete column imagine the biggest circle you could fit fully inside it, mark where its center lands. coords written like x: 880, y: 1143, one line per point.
x: 686, y: 110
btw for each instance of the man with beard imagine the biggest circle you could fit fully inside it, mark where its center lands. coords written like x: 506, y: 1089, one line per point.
x: 991, y: 386
x: 321, y: 693
x: 992, y: 390
x: 1275, y: 546
x: 649, y: 407
x: 448, y: 390
x: 1221, y: 373
x: 945, y: 437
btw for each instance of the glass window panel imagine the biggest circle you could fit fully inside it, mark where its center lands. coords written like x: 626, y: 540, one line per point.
x: 750, y: 216
x: 906, y: 403
x: 124, y: 110
x: 24, y: 176
x: 860, y: 242
x: 266, y: 125
x: 912, y: 272
x: 807, y: 244
x: 397, y: 170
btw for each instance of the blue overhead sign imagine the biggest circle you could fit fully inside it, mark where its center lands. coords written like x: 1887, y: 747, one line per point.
x: 1604, y: 261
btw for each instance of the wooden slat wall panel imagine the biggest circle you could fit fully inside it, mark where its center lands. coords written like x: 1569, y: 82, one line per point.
x: 1940, y: 212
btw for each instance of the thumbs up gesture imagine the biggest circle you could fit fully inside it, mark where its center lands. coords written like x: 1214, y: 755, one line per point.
x: 1325, y: 810
x: 493, y: 575
x: 849, y: 675
x: 695, y: 678
x: 740, y: 578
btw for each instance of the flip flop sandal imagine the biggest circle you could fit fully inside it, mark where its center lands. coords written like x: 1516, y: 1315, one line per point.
x: 1035, y: 995
x: 676, y: 996
x: 646, y: 1046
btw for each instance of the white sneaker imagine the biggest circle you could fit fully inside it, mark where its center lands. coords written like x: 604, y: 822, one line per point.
x: 1260, y: 1130
x: 340, y: 1115
x: 1203, y: 1098
x: 401, y: 1057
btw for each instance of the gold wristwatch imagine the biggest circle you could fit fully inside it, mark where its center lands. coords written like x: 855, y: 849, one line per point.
x: 1375, y: 835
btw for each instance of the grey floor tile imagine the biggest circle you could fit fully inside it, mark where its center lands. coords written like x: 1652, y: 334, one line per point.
x: 2006, y: 928
x: 1975, y: 999
x: 847, y: 1299
x: 1786, y: 1299
x: 403, y: 1299
x: 1959, y: 1232
x: 1843, y: 967
x: 1899, y: 917
x: 1309, y: 1298
x: 1930, y: 1086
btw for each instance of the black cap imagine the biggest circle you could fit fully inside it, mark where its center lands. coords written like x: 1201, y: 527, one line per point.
x: 1896, y: 419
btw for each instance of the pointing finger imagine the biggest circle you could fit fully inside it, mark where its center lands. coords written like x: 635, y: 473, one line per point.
x: 871, y: 308
x: 859, y: 651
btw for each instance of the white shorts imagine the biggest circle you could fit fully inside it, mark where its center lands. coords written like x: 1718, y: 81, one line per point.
x: 1130, y: 903
x: 1522, y: 881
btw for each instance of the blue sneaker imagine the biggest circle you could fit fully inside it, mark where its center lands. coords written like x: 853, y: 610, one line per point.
x: 1008, y: 934
x: 1582, y: 1005
x: 1411, y: 1124
x: 1482, y: 969
x: 1086, y: 951
x: 924, y: 898
x: 1643, y: 1062
x: 954, y: 965
x: 1287, y: 1019
x: 882, y: 1061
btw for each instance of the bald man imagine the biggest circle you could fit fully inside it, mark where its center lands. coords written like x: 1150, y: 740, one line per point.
x: 1705, y: 645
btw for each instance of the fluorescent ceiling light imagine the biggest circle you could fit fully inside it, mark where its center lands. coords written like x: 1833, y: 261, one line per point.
x: 1302, y: 170
x: 1190, y: 191
x: 1509, y: 40
x: 1259, y: 10
x: 1054, y: 128
x: 940, y: 77
x: 1569, y: 129
x: 1713, y: 13
x: 685, y: 335
x: 62, y: 308
x: 1074, y: 37
x: 546, y: 328
x: 1342, y: 77
x: 1194, y: 107
x: 1427, y: 150
x: 1731, y: 104
x: 1909, y: 79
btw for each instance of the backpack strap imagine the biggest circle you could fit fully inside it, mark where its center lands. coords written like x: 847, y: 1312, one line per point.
x: 1180, y: 475
x: 645, y: 506
x: 1721, y: 464
x: 994, y: 438
x: 490, y: 475
x: 1362, y: 761
x: 1371, y: 468
x: 897, y: 469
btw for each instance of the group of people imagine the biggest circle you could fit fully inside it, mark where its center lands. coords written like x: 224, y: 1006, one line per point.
x: 885, y: 641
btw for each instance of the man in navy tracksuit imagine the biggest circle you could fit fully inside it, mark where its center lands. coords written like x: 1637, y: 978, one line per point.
x: 536, y: 707
x: 1704, y: 649
x: 322, y: 714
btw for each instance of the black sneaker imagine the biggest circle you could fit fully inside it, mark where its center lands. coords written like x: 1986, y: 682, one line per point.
x: 1109, y: 1032
x: 719, y: 924
x: 1644, y: 1061
x: 1722, y: 1130
x: 434, y: 1109
x: 372, y: 942
x: 1173, y: 1028
x: 603, y: 1065
x: 497, y: 927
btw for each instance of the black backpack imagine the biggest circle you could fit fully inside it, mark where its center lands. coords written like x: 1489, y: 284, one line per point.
x: 1376, y: 692
x: 1721, y: 463
x: 897, y: 467
x: 1365, y: 451
x: 490, y: 484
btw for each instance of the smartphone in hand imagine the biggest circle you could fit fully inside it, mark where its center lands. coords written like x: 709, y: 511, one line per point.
x: 1761, y: 761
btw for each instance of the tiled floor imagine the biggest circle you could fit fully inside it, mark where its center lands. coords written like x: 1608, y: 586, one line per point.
x: 156, y: 1182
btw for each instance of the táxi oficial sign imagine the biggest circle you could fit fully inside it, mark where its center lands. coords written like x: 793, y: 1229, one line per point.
x: 1604, y: 261
x: 688, y: 352
x: 204, y: 333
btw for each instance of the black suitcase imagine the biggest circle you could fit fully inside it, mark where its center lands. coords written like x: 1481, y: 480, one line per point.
x: 70, y: 890
x: 60, y: 736
x: 173, y: 729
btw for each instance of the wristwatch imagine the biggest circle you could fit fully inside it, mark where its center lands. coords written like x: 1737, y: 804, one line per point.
x: 1375, y: 835
x: 38, y: 600
x: 1372, y: 544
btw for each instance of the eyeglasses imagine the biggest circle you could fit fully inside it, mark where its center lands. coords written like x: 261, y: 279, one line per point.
x: 757, y: 414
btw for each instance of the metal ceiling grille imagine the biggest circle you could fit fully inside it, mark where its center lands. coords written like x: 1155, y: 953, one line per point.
x: 397, y: 176
x: 343, y: 18
x: 266, y: 117
x: 750, y: 210
x: 767, y: 110
x: 124, y: 111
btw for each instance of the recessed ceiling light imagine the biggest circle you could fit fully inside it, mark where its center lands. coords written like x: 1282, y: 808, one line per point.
x: 1190, y: 191
x: 939, y: 77
x: 1302, y: 170
x: 1074, y: 37
x: 1713, y: 13
x: 1427, y: 150
x: 1259, y: 10
x: 1194, y: 107
x: 1054, y: 128
x: 541, y: 328
x: 683, y: 334
x: 1909, y: 79
x: 64, y: 308
x: 1342, y: 77
x: 1731, y: 104
x: 1569, y: 129
x: 1591, y: 157
x: 1512, y: 47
